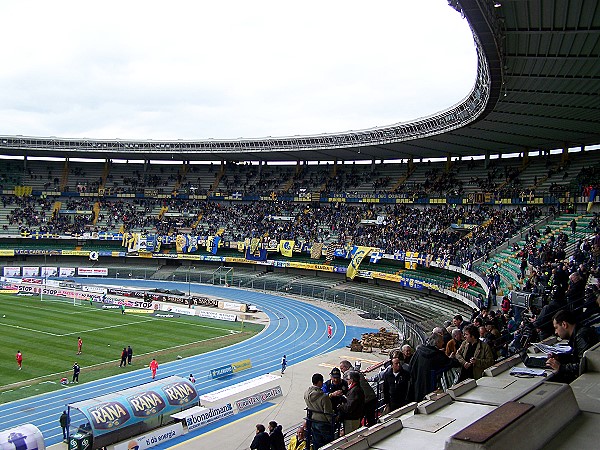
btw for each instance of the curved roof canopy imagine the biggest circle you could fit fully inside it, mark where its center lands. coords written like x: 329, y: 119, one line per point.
x: 537, y: 88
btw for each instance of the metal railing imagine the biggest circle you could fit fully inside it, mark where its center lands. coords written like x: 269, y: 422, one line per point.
x: 396, y: 321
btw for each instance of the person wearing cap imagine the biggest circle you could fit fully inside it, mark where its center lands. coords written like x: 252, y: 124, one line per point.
x: 370, y: 407
x: 335, y: 388
x: 352, y: 410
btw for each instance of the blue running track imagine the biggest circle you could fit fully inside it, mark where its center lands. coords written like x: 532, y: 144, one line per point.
x: 296, y: 329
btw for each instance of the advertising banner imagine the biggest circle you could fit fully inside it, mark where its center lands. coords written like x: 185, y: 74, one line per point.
x: 31, y: 271
x: 66, y: 272
x: 210, y: 415
x: 258, y: 399
x: 94, y: 289
x: 233, y: 306
x: 49, y: 271
x: 32, y: 280
x: 244, y: 364
x: 153, y: 438
x: 176, y: 309
x: 75, y: 253
x: 205, y: 301
x: 12, y: 271
x: 223, y: 371
x: 216, y: 315
x: 92, y: 271
x: 22, y: 437
x: 111, y: 412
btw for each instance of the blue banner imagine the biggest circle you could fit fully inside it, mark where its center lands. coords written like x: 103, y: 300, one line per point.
x: 259, y: 255
x: 223, y: 371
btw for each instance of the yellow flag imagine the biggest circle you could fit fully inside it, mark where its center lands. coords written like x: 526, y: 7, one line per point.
x: 356, y: 257
x: 410, y: 260
x: 286, y: 248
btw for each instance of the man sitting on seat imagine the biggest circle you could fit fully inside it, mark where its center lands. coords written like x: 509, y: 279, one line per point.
x: 566, y: 366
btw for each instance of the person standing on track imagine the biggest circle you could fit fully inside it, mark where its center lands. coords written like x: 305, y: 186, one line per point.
x: 329, y: 331
x: 64, y: 424
x: 79, y: 345
x: 153, y: 367
x: 19, y: 358
x: 283, y: 364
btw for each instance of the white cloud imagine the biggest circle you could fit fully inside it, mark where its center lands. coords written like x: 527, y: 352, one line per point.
x: 197, y: 69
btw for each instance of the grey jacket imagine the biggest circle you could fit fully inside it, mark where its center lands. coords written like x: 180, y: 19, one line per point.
x: 319, y: 403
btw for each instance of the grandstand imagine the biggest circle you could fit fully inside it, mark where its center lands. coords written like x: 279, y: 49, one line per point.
x: 462, y: 191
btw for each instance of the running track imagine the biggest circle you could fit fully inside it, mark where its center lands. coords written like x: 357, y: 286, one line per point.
x: 296, y: 329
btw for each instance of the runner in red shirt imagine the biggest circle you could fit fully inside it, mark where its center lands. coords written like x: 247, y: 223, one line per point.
x: 329, y: 331
x: 79, y: 345
x: 153, y: 367
x: 20, y: 359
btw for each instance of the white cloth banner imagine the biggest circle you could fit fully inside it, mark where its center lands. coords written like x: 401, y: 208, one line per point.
x: 31, y: 271
x: 12, y: 271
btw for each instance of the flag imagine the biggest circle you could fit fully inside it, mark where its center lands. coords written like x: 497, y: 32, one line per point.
x: 286, y: 247
x: 316, y: 250
x: 131, y: 241
x: 181, y: 243
x: 192, y: 244
x: 259, y: 255
x: 254, y: 244
x: 376, y: 256
x: 443, y: 263
x: 399, y: 255
x: 158, y: 243
x: 428, y: 260
x: 212, y: 244
x: 356, y: 257
x: 329, y: 253
x: 411, y: 259
x: 149, y: 244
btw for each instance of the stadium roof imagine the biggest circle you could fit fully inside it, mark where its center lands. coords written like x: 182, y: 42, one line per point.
x: 538, y: 88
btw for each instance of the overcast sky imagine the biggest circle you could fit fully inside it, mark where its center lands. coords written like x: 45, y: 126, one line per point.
x: 227, y: 69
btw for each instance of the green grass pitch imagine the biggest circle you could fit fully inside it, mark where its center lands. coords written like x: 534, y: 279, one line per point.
x: 46, y: 333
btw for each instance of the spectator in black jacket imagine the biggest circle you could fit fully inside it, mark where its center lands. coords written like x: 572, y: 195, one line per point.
x: 261, y: 440
x: 426, y: 365
x: 395, y: 385
x: 276, y: 436
x: 566, y: 366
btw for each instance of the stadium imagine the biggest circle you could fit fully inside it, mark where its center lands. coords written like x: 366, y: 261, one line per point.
x: 217, y: 257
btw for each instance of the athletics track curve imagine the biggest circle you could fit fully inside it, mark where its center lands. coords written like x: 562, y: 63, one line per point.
x: 296, y: 329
